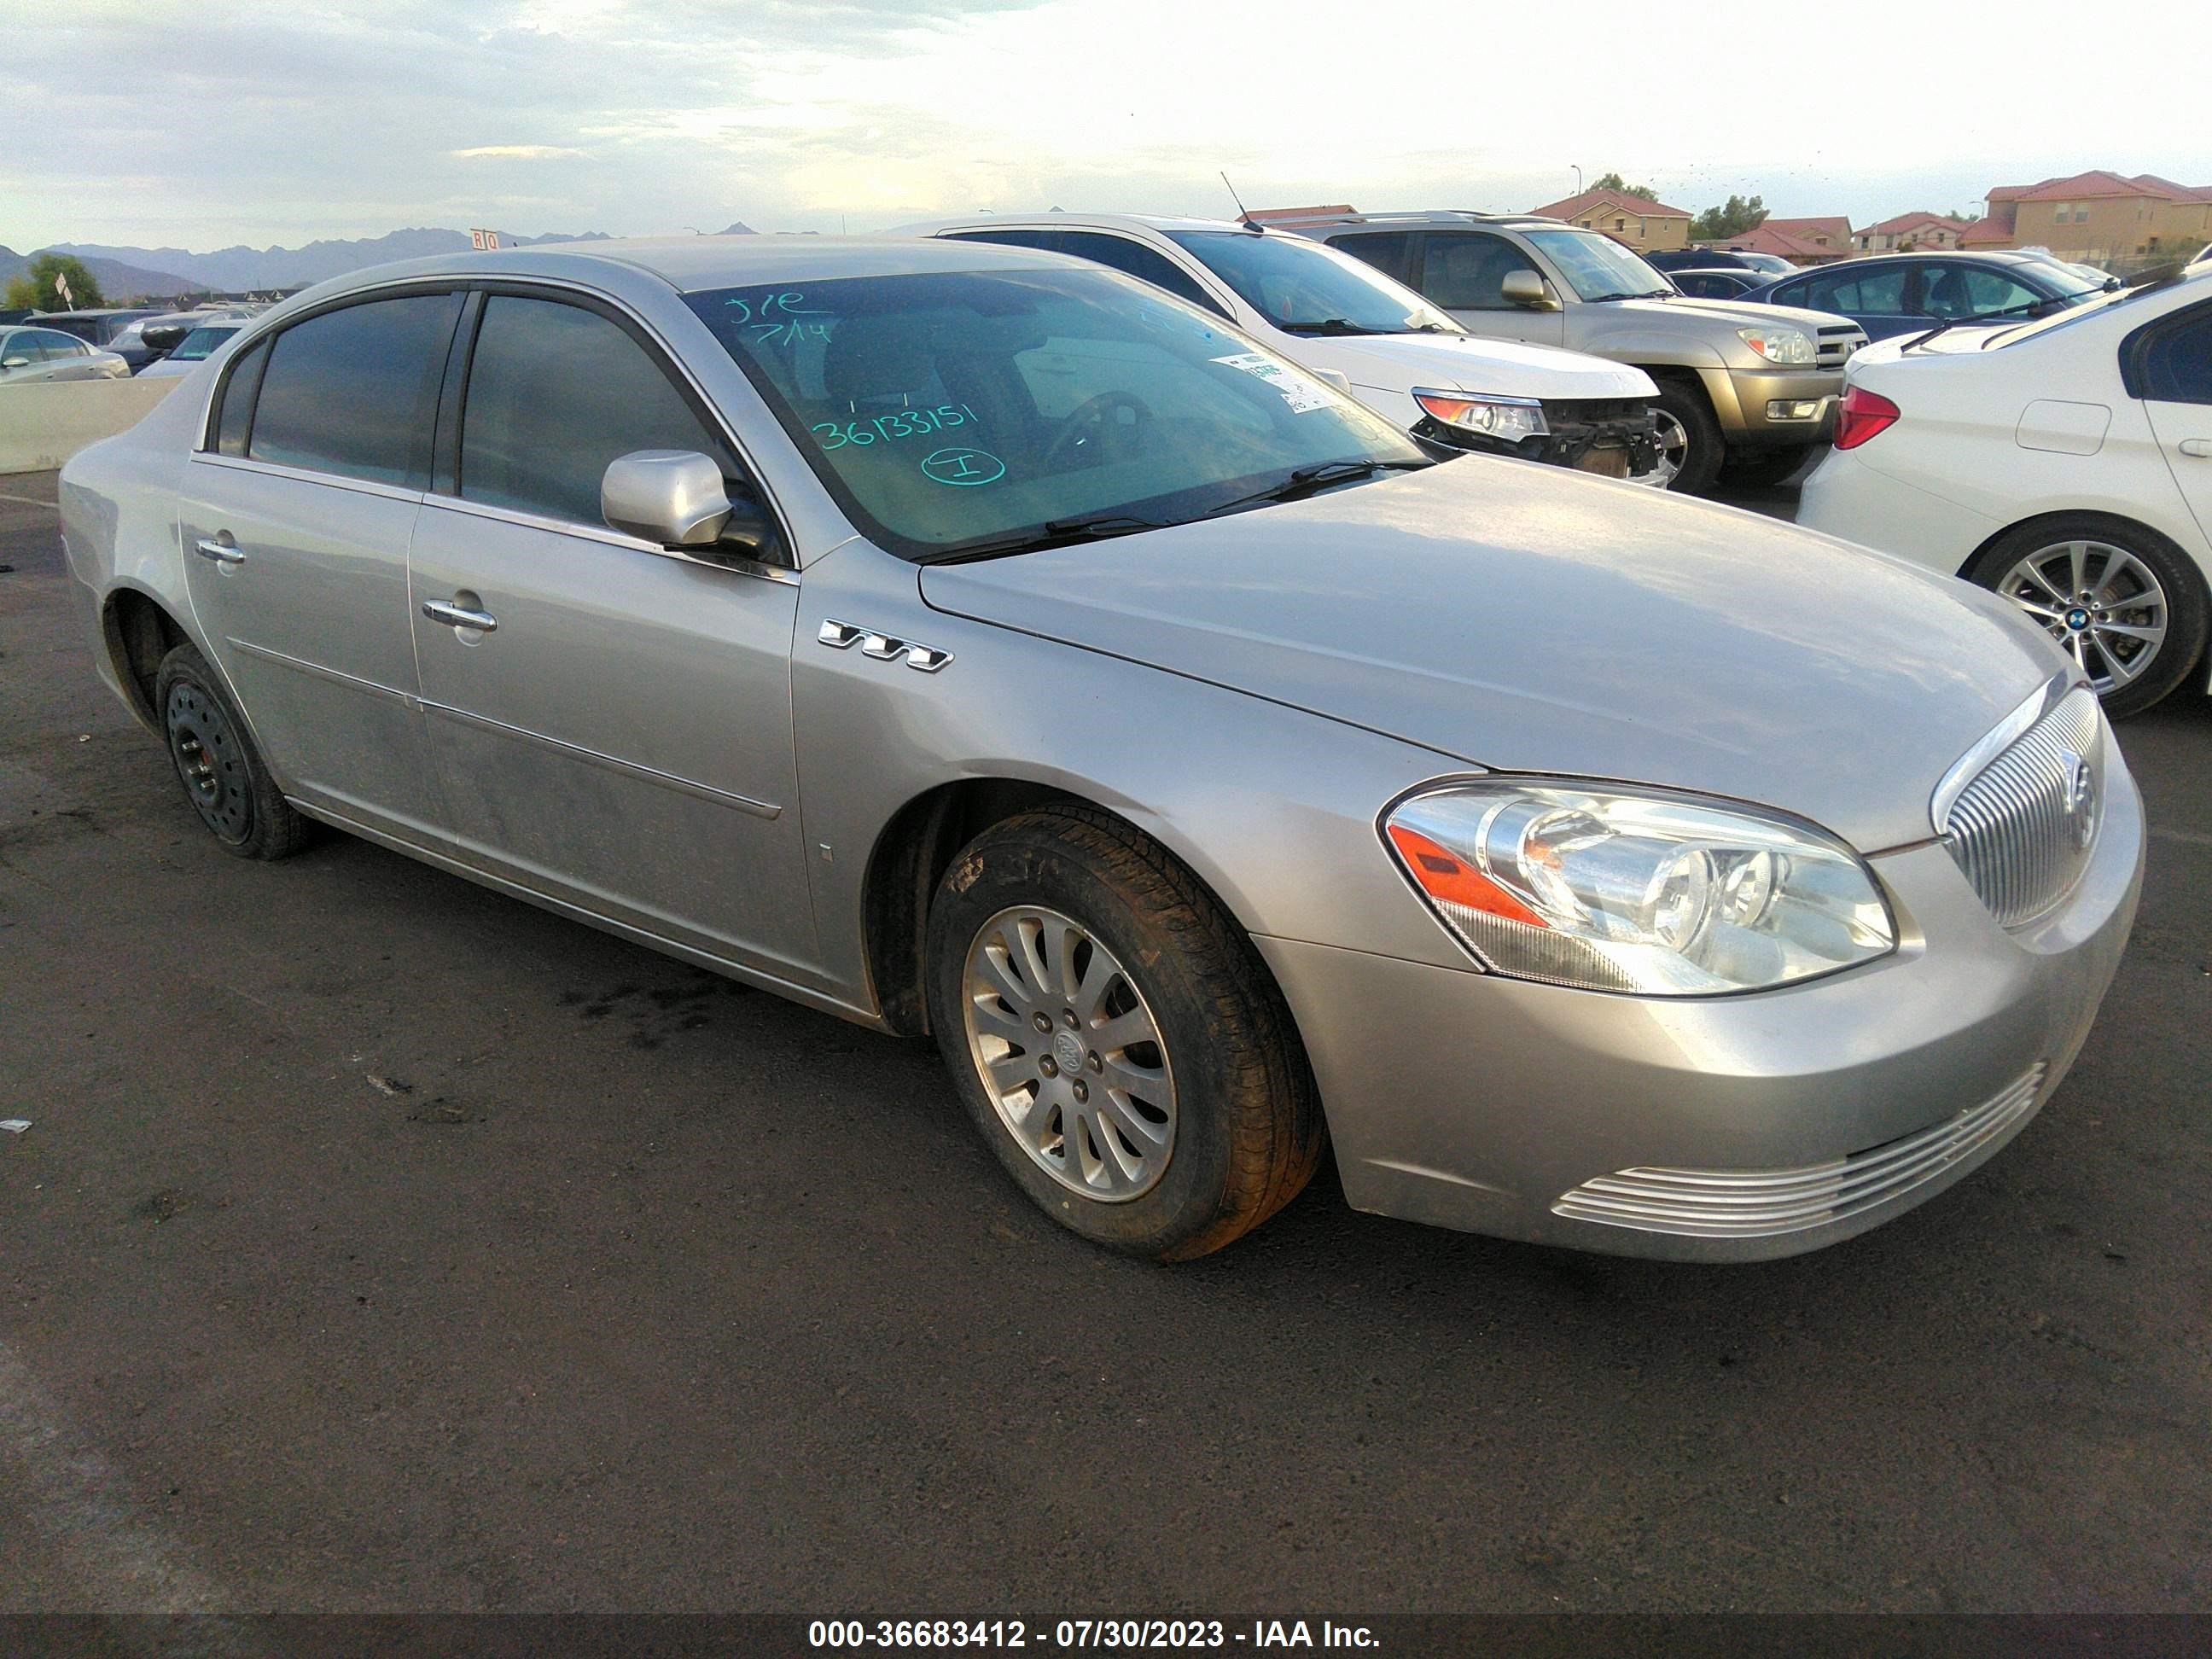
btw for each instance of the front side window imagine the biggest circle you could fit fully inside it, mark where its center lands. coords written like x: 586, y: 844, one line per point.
x: 51, y: 346
x: 1135, y: 259
x: 1466, y: 271
x: 554, y: 393
x: 1962, y: 291
x: 1597, y: 267
x: 953, y: 410
x: 1304, y: 288
x: 355, y: 392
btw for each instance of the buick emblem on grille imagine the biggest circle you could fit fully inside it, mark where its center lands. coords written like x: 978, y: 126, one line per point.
x: 2080, y: 796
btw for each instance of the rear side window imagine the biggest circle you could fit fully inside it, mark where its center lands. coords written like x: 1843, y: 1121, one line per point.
x: 1870, y: 293
x: 1386, y: 250
x: 555, y: 392
x: 1146, y: 265
x: 355, y: 392
x: 2173, y: 362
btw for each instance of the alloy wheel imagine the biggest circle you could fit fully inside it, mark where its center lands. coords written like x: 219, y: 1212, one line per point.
x: 2100, y: 602
x: 1673, y: 449
x: 1069, y: 1053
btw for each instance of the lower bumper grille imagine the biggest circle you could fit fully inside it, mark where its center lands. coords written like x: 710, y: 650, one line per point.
x: 1760, y: 1203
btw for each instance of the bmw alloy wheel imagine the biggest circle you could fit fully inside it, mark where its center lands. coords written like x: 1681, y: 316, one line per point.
x: 2102, y: 603
x: 1069, y: 1053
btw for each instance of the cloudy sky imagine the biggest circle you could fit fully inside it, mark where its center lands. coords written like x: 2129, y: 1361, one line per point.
x: 135, y: 123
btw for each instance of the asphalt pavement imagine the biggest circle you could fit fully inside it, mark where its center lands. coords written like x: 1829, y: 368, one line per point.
x: 381, y: 1243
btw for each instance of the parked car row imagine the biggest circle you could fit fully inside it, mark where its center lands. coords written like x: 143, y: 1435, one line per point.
x: 1583, y: 863
x: 138, y: 336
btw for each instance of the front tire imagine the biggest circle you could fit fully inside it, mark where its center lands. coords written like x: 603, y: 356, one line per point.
x: 1115, y: 1039
x: 2122, y: 600
x: 224, y: 775
x: 1690, y: 448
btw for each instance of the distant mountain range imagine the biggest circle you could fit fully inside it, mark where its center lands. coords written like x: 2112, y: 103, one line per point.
x: 115, y: 276
x: 153, y: 271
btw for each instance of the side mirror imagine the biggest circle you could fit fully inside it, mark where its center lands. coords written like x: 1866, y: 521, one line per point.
x: 16, y: 362
x: 165, y: 337
x: 1525, y: 287
x: 673, y: 497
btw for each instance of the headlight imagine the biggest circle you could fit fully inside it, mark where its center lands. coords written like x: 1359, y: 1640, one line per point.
x: 1613, y: 890
x: 1791, y: 347
x: 1506, y: 419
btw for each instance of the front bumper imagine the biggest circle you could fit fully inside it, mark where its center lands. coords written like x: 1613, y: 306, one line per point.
x: 1492, y: 1105
x: 1750, y: 404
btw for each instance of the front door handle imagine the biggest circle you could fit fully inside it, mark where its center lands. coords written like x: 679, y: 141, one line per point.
x: 2200, y: 447
x: 221, y: 551
x: 460, y: 615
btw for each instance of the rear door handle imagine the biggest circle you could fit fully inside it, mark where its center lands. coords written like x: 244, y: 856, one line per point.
x: 215, y: 547
x: 2200, y: 447
x: 460, y: 615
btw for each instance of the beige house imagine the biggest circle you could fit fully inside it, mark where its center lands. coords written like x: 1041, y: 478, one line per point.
x: 2098, y: 216
x: 1645, y: 225
x: 1911, y: 230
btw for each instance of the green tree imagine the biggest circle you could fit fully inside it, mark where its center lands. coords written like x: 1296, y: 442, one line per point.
x: 34, y: 286
x: 1614, y: 181
x: 1737, y: 215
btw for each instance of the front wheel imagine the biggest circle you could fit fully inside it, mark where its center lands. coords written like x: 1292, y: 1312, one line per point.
x: 1690, y: 447
x: 2121, y: 599
x: 1115, y: 1039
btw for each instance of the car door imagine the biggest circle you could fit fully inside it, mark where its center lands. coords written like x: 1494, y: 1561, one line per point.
x: 616, y: 733
x: 294, y: 518
x: 1464, y: 272
x: 2168, y: 364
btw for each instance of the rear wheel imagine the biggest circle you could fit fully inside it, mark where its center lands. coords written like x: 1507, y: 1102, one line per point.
x: 224, y: 775
x: 2123, y: 601
x: 1690, y: 449
x: 1115, y: 1038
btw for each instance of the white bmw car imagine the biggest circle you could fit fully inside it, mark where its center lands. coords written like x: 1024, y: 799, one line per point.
x: 2067, y: 463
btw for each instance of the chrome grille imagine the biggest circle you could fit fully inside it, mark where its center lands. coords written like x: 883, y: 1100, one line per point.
x: 1761, y: 1203
x: 1836, y: 344
x: 2023, y: 825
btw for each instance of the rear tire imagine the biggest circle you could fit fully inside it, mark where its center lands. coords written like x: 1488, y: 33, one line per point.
x: 1115, y: 1039
x: 224, y: 775
x: 2138, y: 581
x: 1689, y: 437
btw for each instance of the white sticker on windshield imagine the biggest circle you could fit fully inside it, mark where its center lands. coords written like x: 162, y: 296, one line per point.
x: 1299, y: 392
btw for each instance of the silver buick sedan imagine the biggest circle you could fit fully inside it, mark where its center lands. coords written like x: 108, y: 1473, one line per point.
x: 972, y: 642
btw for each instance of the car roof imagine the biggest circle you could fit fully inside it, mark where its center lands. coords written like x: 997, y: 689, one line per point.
x: 688, y: 263
x: 1163, y: 222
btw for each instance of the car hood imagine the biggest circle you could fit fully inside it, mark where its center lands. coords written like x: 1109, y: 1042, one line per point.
x: 1729, y: 314
x: 1965, y: 339
x: 1463, y: 362
x: 1526, y: 619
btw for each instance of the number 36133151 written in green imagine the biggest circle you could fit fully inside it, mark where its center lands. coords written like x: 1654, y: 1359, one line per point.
x: 899, y: 423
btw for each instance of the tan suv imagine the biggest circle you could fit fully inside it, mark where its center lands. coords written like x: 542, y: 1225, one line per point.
x: 1744, y: 390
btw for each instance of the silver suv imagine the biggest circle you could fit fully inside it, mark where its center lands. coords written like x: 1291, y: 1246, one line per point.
x: 1743, y: 389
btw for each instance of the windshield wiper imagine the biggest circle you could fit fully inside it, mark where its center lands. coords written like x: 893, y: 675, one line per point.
x: 1306, y: 480
x: 1327, y: 325
x: 1943, y: 327
x: 1052, y: 532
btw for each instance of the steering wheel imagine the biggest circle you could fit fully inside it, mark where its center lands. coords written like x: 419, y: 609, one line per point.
x: 1092, y: 416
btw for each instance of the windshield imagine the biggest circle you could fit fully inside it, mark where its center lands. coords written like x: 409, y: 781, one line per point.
x: 201, y: 341
x: 1302, y: 287
x: 955, y: 410
x: 1597, y: 267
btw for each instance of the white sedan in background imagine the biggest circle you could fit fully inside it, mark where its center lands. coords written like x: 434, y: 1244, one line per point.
x: 2066, y: 464
x: 29, y: 356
